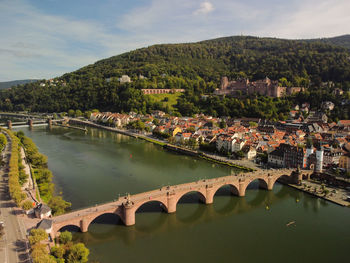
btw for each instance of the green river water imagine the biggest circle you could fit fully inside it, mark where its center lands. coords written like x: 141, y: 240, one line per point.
x: 98, y: 166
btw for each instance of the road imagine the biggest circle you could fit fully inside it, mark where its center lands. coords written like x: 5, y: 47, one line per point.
x: 13, y: 245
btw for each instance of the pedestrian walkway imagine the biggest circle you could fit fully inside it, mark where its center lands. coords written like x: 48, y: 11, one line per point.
x: 13, y: 246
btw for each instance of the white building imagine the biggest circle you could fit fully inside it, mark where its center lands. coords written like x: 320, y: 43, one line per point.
x: 238, y: 145
x: 124, y: 79
x: 319, y: 160
x: 42, y: 211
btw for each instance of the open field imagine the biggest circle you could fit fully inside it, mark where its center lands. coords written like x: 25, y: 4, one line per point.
x: 172, y: 99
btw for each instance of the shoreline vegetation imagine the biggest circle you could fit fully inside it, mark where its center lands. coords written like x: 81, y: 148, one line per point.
x: 65, y: 249
x: 15, y: 189
x: 42, y: 176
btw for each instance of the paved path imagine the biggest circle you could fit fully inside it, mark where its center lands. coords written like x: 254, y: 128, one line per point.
x: 28, y: 187
x: 13, y: 246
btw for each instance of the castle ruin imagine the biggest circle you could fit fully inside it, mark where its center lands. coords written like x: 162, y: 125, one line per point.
x: 264, y: 87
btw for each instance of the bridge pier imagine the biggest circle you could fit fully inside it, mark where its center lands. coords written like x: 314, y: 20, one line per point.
x: 171, y: 203
x: 270, y: 182
x: 241, y: 188
x: 30, y: 123
x: 129, y: 214
x: 209, y: 198
x: 84, y: 225
x: 49, y: 121
x: 9, y: 124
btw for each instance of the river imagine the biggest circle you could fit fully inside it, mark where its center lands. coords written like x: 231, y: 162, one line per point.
x: 98, y: 166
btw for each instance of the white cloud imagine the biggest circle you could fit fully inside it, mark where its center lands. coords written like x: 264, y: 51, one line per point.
x: 205, y: 8
x: 45, y: 45
x: 311, y: 19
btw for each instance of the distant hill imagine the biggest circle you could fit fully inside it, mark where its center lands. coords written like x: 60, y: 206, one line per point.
x: 9, y: 84
x: 341, y: 41
x: 197, y: 68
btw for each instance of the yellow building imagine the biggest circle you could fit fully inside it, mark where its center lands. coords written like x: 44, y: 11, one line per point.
x: 344, y: 162
x: 174, y: 131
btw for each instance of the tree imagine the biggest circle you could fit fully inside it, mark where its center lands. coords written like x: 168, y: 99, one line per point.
x: 58, y: 205
x: 71, y: 113
x: 27, y: 205
x: 78, y: 254
x: 192, y: 142
x: 78, y: 113
x: 222, y: 124
x: 240, y: 154
x: 40, y: 255
x: 253, y: 124
x: 191, y: 129
x: 58, y: 252
x: 87, y: 114
x: 65, y: 237
x: 156, y: 122
x: 37, y: 235
x: 3, y: 141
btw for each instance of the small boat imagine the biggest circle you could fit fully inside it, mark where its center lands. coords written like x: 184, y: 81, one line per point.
x: 290, y: 223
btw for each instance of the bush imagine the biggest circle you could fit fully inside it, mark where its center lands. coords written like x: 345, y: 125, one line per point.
x: 65, y: 237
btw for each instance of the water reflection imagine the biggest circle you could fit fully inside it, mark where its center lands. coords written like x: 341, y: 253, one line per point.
x: 151, y: 219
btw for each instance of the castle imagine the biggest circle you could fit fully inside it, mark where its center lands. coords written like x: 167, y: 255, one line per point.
x: 264, y: 87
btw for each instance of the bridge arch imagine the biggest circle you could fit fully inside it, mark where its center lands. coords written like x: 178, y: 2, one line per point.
x: 263, y: 183
x: 161, y: 203
x: 69, y: 226
x: 234, y: 189
x: 114, y: 219
x: 201, y: 194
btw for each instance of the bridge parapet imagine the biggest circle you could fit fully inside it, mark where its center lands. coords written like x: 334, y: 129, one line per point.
x: 126, y: 206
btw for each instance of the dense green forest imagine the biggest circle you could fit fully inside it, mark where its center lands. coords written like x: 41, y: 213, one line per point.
x: 197, y: 68
x: 9, y: 84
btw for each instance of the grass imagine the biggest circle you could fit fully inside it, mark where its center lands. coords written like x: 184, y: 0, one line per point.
x: 152, y: 141
x: 172, y: 99
x: 227, y: 163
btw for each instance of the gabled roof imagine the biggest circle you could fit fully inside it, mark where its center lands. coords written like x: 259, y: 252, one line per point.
x: 45, y: 224
x: 42, y: 208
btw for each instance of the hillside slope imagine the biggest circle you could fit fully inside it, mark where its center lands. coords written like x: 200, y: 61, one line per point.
x: 196, y: 67
x: 341, y: 41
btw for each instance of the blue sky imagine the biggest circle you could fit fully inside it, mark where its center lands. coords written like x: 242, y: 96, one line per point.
x: 46, y: 38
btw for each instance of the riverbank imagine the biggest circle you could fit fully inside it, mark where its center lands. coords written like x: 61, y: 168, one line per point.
x: 167, y: 146
x: 70, y: 127
x: 336, y: 197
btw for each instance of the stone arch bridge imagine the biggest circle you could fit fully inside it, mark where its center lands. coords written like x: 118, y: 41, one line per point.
x: 125, y: 207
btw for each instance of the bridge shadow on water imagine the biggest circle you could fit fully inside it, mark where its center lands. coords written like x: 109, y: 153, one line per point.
x: 152, y: 218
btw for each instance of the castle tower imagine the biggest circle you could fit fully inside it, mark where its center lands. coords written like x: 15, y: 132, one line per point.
x: 224, y: 83
x: 319, y: 160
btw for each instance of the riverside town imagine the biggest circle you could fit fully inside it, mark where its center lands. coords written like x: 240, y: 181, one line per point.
x: 230, y: 143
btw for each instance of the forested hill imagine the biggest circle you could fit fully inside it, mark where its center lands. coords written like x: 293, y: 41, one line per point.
x: 196, y: 67
x: 341, y: 41
x: 9, y: 84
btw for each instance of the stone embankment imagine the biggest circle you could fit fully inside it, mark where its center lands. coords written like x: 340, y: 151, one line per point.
x: 336, y: 196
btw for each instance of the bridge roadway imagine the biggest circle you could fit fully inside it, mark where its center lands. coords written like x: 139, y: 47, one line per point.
x: 125, y: 207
